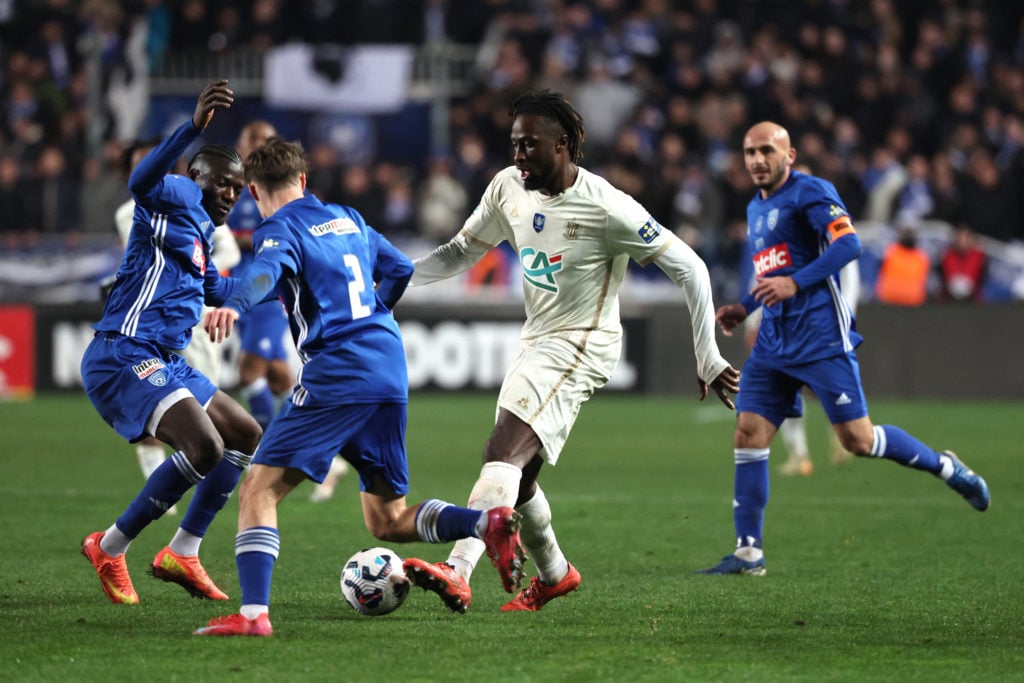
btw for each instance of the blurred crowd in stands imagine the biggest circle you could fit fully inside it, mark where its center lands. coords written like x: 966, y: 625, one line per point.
x: 913, y: 108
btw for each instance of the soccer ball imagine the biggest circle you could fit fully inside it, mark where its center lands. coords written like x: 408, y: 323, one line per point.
x: 373, y: 581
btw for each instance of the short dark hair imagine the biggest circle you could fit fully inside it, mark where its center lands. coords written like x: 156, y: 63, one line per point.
x: 216, y: 151
x: 275, y: 164
x: 554, y: 107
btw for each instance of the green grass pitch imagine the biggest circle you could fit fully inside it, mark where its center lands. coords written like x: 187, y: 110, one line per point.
x: 875, y: 572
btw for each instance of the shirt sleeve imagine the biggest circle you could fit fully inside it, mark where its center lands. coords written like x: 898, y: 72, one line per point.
x: 149, y: 183
x: 484, y: 229
x: 827, y: 215
x: 276, y: 252
x: 392, y: 270
x: 690, y: 273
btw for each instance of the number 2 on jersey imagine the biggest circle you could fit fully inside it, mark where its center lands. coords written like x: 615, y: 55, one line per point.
x: 356, y: 287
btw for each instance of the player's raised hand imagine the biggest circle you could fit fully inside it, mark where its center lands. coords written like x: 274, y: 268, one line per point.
x: 215, y: 96
x: 219, y: 322
x: 728, y: 381
x: 729, y: 317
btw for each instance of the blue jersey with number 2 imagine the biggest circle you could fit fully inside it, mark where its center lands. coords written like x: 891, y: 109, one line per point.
x: 327, y: 261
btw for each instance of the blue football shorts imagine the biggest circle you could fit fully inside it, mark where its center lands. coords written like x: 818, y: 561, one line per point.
x: 132, y: 382
x: 262, y: 329
x: 773, y: 391
x: 370, y: 436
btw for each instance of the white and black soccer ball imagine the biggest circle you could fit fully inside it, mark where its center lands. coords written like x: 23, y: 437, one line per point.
x: 373, y: 581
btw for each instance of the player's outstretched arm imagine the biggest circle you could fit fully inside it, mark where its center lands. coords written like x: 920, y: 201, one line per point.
x: 457, y: 255
x: 215, y: 96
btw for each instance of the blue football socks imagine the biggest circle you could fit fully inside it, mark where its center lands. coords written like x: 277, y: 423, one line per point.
x: 440, y: 522
x: 256, y: 550
x: 892, y: 443
x: 750, y: 495
x: 261, y: 401
x: 213, y: 492
x: 164, y: 487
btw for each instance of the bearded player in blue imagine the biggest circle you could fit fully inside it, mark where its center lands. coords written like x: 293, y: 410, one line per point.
x: 338, y: 278
x: 800, y: 236
x: 133, y: 371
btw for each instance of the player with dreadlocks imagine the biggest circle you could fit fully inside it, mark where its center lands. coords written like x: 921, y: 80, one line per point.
x: 133, y: 370
x: 574, y: 235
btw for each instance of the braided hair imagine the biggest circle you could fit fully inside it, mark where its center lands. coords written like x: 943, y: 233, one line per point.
x: 554, y: 107
x: 226, y: 152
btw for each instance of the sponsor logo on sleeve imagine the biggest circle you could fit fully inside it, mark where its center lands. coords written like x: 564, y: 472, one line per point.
x: 650, y: 230
x: 771, y: 259
x: 198, y: 256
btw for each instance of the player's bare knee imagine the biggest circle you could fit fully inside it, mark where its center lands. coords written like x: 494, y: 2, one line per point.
x: 384, y: 530
x: 856, y: 444
x: 205, y: 450
x: 248, y: 435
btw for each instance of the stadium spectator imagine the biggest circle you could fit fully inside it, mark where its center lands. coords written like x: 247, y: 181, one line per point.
x: 132, y: 370
x: 990, y: 200
x: 575, y: 236
x: 353, y: 390
x: 950, y: 77
x: 903, y: 276
x: 962, y: 267
x: 13, y: 220
x: 442, y: 200
x: 806, y: 338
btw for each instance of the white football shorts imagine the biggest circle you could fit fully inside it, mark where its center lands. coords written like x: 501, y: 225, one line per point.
x: 550, y: 380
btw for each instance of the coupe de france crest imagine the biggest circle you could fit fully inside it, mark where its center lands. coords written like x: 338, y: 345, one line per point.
x: 773, y: 218
x: 538, y: 222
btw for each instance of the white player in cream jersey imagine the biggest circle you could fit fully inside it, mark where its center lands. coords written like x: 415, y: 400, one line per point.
x: 574, y: 235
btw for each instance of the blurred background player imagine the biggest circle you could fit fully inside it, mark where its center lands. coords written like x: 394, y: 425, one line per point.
x: 340, y: 279
x: 201, y: 353
x: 264, y: 376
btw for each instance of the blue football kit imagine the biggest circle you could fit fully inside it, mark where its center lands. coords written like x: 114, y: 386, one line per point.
x: 262, y: 330
x: 352, y: 389
x: 132, y: 370
x: 802, y: 230
x: 808, y: 339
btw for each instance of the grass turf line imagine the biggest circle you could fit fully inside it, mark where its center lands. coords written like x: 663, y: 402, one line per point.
x: 875, y: 572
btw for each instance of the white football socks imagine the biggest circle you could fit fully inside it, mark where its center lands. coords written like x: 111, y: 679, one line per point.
x: 498, y: 486
x: 185, y: 543
x: 539, y: 539
x: 114, y: 542
x: 794, y: 436
x: 150, y: 456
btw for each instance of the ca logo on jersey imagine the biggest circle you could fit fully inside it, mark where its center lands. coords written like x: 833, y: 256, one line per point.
x: 539, y: 269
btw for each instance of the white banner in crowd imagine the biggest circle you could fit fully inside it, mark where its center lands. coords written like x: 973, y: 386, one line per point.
x: 365, y: 79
